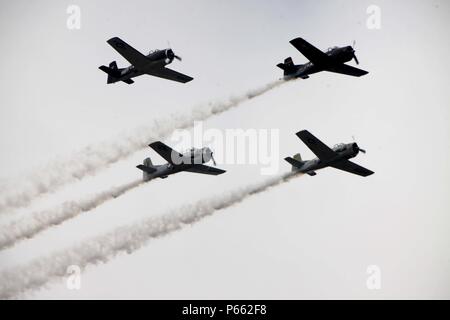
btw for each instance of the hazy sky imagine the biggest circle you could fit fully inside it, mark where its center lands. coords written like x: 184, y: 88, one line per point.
x: 312, y: 237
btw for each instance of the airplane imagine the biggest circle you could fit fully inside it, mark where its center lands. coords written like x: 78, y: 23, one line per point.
x: 327, y: 157
x: 333, y: 60
x: 191, y: 161
x: 152, y: 64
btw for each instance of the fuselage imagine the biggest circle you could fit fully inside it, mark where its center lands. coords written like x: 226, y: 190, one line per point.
x: 179, y: 163
x: 338, y: 55
x: 343, y: 152
x: 157, y: 58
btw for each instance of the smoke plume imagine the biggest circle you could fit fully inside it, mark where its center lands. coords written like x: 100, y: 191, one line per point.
x: 91, y: 159
x: 18, y: 280
x: 30, y: 225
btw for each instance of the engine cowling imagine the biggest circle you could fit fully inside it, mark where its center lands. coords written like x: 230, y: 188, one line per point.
x: 170, y: 55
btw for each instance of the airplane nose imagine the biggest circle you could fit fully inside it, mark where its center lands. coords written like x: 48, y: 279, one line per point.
x: 357, y: 149
x: 170, y: 54
x: 208, y: 155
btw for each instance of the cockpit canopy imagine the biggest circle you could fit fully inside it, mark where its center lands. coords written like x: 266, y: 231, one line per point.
x: 189, y: 150
x: 339, y: 147
x: 332, y: 48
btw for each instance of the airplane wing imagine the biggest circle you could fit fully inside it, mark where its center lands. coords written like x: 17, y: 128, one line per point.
x: 169, y: 74
x: 201, y: 168
x: 348, y: 70
x: 166, y: 152
x: 128, y: 81
x: 313, y: 54
x: 351, y: 167
x: 321, y: 150
x: 133, y: 56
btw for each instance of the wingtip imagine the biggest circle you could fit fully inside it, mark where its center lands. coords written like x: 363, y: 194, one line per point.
x: 112, y: 39
x: 298, y: 39
x: 302, y: 132
x: 156, y: 144
x: 364, y: 73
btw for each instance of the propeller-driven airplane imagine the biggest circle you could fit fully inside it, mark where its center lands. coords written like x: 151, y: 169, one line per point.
x: 152, y: 64
x: 191, y: 161
x: 326, y: 157
x: 333, y: 61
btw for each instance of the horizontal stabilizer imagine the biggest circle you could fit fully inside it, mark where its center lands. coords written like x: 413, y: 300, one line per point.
x: 282, y: 66
x: 146, y: 169
x: 113, y: 73
x: 288, y: 66
x: 107, y: 70
x: 294, y: 163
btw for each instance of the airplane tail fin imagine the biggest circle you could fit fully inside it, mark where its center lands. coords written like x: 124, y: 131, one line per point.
x: 288, y: 62
x: 148, y: 162
x: 288, y: 66
x: 296, y: 161
x: 113, y: 65
x: 298, y: 157
x: 147, y: 169
x: 112, y: 71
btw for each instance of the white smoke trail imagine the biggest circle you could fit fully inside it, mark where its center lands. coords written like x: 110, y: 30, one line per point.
x: 101, y: 249
x: 31, y: 225
x: 93, y: 158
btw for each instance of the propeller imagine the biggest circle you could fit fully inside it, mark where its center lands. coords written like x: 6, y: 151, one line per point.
x: 361, y: 150
x: 356, y: 59
x: 354, y: 55
x: 173, y: 54
x: 177, y: 57
x: 208, y: 154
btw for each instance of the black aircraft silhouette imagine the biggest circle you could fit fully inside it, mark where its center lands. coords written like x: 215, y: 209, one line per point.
x: 190, y: 161
x: 152, y: 64
x: 337, y: 158
x: 333, y: 61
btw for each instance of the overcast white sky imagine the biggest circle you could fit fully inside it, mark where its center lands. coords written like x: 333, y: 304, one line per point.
x: 312, y: 237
